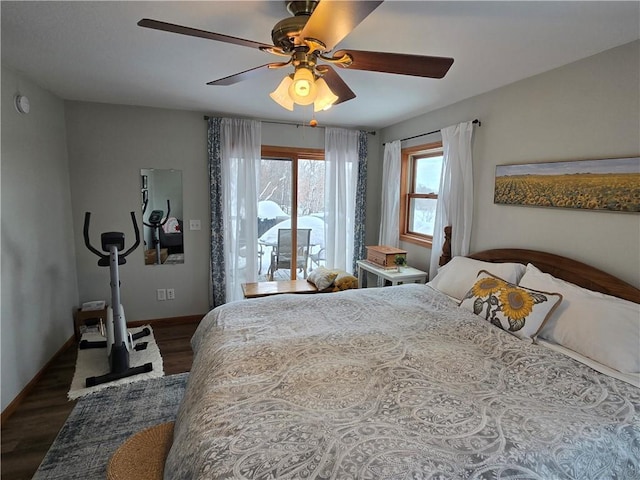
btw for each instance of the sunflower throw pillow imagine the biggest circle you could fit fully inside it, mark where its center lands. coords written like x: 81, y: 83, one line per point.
x: 518, y: 310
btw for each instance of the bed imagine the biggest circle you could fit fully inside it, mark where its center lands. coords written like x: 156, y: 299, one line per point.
x: 419, y: 382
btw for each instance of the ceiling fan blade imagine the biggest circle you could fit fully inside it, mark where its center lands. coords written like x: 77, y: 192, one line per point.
x: 331, y: 21
x: 194, y: 32
x: 400, y: 63
x: 336, y: 84
x: 239, y: 77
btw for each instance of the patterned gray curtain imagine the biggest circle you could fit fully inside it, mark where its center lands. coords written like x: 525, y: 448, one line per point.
x: 361, y: 201
x: 218, y: 281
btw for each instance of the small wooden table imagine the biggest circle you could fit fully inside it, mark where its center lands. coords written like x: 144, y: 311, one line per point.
x: 264, y: 289
x: 408, y: 274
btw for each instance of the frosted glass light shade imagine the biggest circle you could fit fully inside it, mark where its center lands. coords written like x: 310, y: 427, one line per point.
x: 325, y: 97
x: 281, y: 94
x: 303, y: 89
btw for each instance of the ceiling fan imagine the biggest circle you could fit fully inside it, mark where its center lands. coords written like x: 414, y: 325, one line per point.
x: 307, y: 39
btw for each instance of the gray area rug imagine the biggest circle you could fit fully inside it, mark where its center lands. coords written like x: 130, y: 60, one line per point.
x: 102, y: 421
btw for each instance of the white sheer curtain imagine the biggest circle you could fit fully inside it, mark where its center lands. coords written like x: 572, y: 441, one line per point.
x: 341, y: 178
x: 240, y: 151
x: 455, y: 198
x: 389, y: 222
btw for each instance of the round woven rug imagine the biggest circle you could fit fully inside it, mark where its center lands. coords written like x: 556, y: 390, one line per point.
x: 143, y: 455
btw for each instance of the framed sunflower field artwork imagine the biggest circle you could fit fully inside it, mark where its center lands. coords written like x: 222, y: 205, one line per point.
x: 611, y: 184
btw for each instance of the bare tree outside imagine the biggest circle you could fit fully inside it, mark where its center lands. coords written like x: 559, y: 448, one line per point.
x: 310, y: 187
x: 275, y: 185
x: 275, y: 182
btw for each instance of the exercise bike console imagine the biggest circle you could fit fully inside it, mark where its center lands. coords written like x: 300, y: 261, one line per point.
x: 155, y: 217
x: 112, y: 238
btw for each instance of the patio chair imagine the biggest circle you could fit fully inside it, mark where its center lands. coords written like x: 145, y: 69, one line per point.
x: 318, y: 258
x: 282, y: 252
x: 264, y: 225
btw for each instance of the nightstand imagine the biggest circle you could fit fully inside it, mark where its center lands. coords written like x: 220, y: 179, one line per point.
x: 408, y: 274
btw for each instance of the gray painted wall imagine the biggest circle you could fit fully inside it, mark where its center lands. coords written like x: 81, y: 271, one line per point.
x: 586, y: 110
x: 108, y: 145
x: 39, y: 285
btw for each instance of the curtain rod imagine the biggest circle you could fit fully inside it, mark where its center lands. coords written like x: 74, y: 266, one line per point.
x: 431, y: 133
x: 206, y: 117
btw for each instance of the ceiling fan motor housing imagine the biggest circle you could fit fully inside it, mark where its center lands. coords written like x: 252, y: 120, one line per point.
x: 285, y: 30
x: 301, y: 7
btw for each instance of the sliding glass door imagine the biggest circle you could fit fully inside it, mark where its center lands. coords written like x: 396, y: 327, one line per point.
x: 290, y: 213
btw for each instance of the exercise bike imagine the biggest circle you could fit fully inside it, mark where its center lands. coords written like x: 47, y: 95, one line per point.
x: 155, y: 223
x: 118, y: 342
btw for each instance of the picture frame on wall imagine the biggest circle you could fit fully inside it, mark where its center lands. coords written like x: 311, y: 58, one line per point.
x: 611, y: 184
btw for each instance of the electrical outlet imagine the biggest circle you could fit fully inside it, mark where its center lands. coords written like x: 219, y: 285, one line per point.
x: 161, y: 293
x: 194, y: 225
x: 171, y: 294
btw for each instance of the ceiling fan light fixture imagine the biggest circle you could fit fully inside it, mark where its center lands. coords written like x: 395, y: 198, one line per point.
x: 281, y: 94
x: 325, y: 98
x: 303, y: 89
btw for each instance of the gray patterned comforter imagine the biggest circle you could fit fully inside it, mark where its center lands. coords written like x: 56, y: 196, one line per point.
x: 392, y: 383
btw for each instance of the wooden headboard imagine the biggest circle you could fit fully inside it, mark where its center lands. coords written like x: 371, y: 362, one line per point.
x: 561, y: 267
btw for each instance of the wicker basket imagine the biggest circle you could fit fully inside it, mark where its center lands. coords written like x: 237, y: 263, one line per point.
x: 143, y: 455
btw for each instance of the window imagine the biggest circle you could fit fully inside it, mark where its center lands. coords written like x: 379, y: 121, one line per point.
x: 290, y: 186
x: 420, y: 181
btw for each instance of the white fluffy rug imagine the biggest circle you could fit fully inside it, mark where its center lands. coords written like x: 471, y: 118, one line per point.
x: 93, y: 362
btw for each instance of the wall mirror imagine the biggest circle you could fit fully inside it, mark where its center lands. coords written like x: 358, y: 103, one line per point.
x: 162, y: 216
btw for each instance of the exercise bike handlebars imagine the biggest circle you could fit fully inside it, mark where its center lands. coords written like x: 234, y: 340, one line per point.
x: 92, y: 249
x: 85, y: 232
x: 137, y: 234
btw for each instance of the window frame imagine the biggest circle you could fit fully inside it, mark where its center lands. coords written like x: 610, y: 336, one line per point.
x: 409, y: 156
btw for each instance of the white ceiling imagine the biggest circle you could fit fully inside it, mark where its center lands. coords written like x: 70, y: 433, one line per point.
x: 94, y: 51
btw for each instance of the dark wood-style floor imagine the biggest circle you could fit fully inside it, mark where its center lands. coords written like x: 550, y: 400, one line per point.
x: 30, y: 431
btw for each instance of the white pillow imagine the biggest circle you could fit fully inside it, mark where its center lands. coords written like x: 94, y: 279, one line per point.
x: 458, y: 276
x: 322, y: 278
x: 601, y: 327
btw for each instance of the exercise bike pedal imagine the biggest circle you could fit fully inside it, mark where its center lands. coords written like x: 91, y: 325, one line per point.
x: 141, y: 346
x: 143, y: 333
